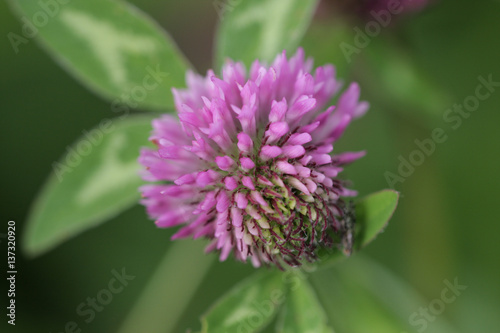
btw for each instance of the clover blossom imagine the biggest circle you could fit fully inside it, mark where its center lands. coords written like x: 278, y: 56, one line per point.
x: 248, y: 162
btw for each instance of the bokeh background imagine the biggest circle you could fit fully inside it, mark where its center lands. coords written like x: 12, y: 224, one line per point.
x: 444, y: 227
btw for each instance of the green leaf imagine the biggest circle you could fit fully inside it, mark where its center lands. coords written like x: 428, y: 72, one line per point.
x: 373, y: 213
x: 260, y: 29
x: 360, y: 296
x: 110, y: 46
x: 248, y: 307
x: 302, y: 312
x: 97, y: 179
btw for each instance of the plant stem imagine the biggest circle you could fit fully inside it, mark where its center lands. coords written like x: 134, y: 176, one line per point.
x: 170, y: 289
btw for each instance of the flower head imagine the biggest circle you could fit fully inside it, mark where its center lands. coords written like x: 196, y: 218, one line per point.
x: 250, y: 161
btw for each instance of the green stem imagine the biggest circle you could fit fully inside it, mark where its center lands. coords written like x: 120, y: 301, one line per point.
x: 170, y: 289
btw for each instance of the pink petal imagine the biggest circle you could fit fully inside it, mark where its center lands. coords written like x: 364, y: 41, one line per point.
x: 311, y: 185
x: 277, y: 130
x: 303, y: 171
x: 247, y: 181
x: 302, y: 105
x: 310, y: 128
x: 241, y: 200
x: 299, y: 139
x: 264, y: 181
x: 222, y: 202
x: 226, y: 249
x: 286, y: 167
x: 257, y: 197
x: 224, y: 162
x: 236, y: 217
x: 278, y: 110
x: 245, y: 143
x: 186, y: 179
x: 208, y: 202
x: 205, y: 178
x: 247, y: 163
x: 230, y: 183
x: 321, y: 159
x: 346, y: 158
x: 340, y: 128
x: 252, y: 228
x: 268, y: 152
x: 253, y: 212
x: 293, y: 151
x: 239, y: 232
x: 298, y: 185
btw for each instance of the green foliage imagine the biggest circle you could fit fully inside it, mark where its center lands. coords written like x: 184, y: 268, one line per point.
x: 95, y: 180
x: 361, y: 296
x: 260, y: 29
x: 248, y: 307
x: 109, y: 46
x: 302, y: 312
x: 373, y: 212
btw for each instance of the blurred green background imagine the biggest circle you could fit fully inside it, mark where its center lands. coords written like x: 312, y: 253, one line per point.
x: 445, y: 226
